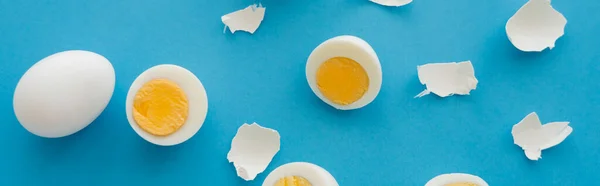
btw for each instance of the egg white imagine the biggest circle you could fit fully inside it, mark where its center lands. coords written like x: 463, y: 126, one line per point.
x: 316, y: 175
x: 444, y: 179
x: 197, y: 101
x: 351, y: 47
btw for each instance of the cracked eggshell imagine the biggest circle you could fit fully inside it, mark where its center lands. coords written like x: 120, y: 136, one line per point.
x: 536, y: 26
x: 252, y: 149
x: 63, y: 93
x: 533, y: 137
x: 447, y: 79
x: 351, y: 47
x: 247, y: 19
x: 197, y: 100
x: 392, y: 2
x: 454, y: 178
x: 314, y: 174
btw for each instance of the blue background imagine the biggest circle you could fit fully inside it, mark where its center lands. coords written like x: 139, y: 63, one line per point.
x: 396, y: 140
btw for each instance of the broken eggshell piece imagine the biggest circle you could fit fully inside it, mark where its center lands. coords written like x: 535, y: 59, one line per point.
x: 300, y: 174
x: 456, y: 179
x: 536, y: 26
x: 252, y: 149
x: 447, y: 79
x: 392, y: 2
x: 247, y: 19
x: 533, y: 137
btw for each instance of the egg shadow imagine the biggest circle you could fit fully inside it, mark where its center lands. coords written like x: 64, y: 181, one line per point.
x: 563, y: 149
x: 517, y: 55
x: 321, y: 105
x: 498, y: 42
x: 350, y: 118
x: 308, y: 99
x: 271, y: 2
x: 361, y: 2
x: 53, y: 150
x: 57, y: 151
x: 157, y: 156
x: 403, y: 11
x: 399, y: 10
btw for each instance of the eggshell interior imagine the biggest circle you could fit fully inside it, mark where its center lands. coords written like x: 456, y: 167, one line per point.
x: 535, y: 26
x: 252, y: 149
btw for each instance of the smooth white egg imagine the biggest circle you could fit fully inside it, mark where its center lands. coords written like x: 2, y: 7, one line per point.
x: 197, y: 103
x: 340, y: 80
x: 63, y: 93
x: 316, y: 175
x: 456, y: 179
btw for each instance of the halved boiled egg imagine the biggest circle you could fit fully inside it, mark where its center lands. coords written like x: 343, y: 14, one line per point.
x: 166, y: 105
x: 299, y: 174
x: 344, y: 72
x: 456, y: 179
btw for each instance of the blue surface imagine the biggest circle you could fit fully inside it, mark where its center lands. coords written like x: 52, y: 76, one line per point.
x: 396, y: 140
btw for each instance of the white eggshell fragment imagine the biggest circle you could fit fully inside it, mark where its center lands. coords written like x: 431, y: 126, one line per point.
x: 392, y: 2
x: 197, y: 100
x: 247, y: 19
x: 315, y: 174
x: 252, y: 149
x: 446, y: 179
x: 353, y: 48
x: 536, y: 26
x: 533, y: 137
x: 63, y: 93
x: 447, y: 79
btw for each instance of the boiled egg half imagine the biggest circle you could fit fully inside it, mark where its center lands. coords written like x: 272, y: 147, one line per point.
x: 344, y: 72
x: 299, y: 174
x: 166, y: 105
x: 456, y: 179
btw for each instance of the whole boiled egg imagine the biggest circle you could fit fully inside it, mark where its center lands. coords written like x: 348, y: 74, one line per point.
x: 166, y: 105
x: 344, y: 72
x: 456, y: 179
x: 300, y: 174
x: 63, y: 93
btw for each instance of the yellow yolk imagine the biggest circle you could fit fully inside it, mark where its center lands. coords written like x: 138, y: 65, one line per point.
x: 461, y: 184
x: 160, y: 107
x: 342, y: 80
x: 292, y: 181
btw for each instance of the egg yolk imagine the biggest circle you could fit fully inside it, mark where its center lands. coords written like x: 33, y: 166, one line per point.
x: 160, y: 107
x: 342, y: 80
x: 461, y: 184
x: 292, y: 181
